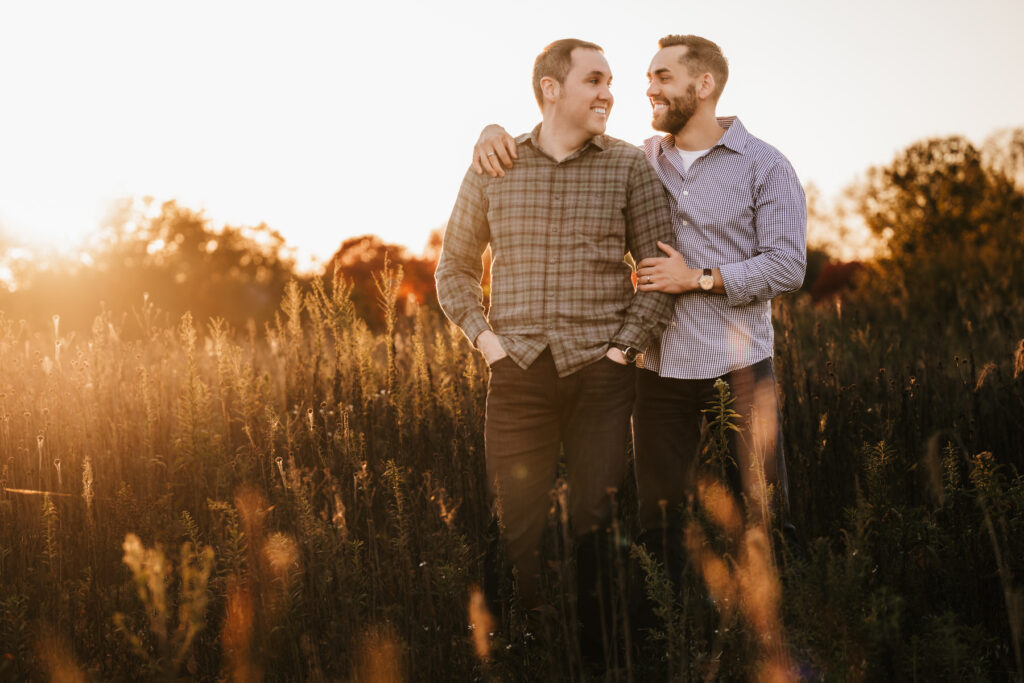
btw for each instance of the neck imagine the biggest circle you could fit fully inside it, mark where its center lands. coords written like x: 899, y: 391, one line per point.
x: 700, y: 132
x: 559, y: 141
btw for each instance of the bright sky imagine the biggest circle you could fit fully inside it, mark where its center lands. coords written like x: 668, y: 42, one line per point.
x: 333, y: 119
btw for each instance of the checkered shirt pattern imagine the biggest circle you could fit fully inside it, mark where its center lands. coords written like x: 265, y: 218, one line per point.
x: 739, y: 208
x: 558, y: 233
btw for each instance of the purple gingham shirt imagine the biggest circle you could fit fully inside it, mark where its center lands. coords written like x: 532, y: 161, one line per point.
x: 739, y: 208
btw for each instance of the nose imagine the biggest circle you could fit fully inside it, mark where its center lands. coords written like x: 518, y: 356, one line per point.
x: 652, y: 89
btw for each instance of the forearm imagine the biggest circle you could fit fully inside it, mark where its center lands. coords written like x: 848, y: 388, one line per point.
x: 461, y: 299
x: 780, y: 228
x: 645, y: 320
x: 762, y: 277
x: 460, y: 269
x: 648, y: 223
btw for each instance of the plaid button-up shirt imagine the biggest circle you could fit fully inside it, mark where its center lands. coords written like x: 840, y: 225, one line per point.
x: 558, y: 233
x: 739, y: 208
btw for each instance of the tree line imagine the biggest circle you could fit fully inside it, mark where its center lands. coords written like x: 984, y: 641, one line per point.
x: 944, y: 210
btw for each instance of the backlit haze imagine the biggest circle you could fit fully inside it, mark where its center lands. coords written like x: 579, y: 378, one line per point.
x: 329, y: 120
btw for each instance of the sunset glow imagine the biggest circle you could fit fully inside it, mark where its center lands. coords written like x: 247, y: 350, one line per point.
x: 327, y: 121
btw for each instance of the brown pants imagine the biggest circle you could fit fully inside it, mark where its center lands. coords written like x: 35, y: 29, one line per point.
x: 532, y: 416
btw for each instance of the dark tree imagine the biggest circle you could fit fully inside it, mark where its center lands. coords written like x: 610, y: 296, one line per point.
x: 358, y: 258
x: 946, y: 216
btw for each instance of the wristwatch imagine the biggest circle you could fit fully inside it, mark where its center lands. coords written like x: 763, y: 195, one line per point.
x: 707, y: 280
x: 628, y: 351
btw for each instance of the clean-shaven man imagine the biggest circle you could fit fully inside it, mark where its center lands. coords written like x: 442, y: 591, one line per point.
x: 564, y: 323
x: 739, y: 217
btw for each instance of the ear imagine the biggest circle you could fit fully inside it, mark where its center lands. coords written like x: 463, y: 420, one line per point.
x: 549, y: 87
x: 707, y: 85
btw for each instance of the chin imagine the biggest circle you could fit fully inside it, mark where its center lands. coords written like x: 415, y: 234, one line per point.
x: 662, y: 127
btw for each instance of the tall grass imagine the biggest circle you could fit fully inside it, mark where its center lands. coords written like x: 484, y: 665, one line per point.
x: 307, y: 502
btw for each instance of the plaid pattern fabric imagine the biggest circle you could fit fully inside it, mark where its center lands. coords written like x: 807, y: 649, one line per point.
x: 739, y: 208
x: 558, y: 233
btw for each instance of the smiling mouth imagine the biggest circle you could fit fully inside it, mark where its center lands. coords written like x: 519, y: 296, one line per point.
x: 659, y: 107
x: 600, y: 111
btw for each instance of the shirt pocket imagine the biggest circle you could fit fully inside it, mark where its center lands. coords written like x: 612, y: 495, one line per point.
x: 597, y: 214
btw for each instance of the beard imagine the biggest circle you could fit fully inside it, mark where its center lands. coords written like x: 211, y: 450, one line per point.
x: 678, y: 113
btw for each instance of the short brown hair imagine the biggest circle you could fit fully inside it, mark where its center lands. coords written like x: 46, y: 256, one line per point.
x: 555, y: 61
x: 701, y: 56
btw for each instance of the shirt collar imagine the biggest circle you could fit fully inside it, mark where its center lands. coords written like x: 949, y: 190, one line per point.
x: 735, y: 137
x: 533, y: 137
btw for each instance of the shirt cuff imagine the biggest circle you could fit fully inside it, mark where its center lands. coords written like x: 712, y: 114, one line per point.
x: 734, y: 281
x: 631, y: 334
x: 472, y: 328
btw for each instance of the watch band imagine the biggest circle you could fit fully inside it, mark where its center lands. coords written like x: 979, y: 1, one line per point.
x: 628, y: 351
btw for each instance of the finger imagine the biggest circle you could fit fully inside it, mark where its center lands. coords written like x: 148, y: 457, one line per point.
x: 651, y: 261
x: 487, y: 161
x: 513, y: 149
x: 495, y: 149
x: 477, y: 166
x: 499, y: 170
x: 667, y: 249
x: 502, y: 154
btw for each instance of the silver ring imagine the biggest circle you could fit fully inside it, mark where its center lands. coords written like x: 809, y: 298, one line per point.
x: 648, y: 279
x: 490, y: 154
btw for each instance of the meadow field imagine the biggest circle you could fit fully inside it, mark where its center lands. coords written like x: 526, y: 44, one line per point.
x: 193, y: 496
x: 307, y: 502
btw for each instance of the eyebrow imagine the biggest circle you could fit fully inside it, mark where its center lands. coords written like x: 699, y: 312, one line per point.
x: 596, y: 72
x: 657, y: 72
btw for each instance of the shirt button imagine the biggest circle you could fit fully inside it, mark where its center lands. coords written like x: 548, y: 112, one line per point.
x: 557, y: 198
x: 686, y: 223
x: 673, y: 324
x: 551, y: 295
x: 686, y: 193
x: 553, y: 259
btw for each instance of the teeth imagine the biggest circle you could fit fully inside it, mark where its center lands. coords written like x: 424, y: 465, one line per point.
x: 658, y: 106
x: 600, y: 110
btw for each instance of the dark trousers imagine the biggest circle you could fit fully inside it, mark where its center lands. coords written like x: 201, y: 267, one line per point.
x: 533, y: 415
x: 667, y: 438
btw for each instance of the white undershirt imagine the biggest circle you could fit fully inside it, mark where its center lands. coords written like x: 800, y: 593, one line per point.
x: 689, y: 157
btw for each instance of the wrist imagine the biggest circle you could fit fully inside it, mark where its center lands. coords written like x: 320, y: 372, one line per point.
x: 706, y: 280
x: 628, y: 353
x: 483, y: 338
x: 692, y: 281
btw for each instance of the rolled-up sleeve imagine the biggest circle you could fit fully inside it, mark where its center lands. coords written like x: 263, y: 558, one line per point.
x: 780, y: 223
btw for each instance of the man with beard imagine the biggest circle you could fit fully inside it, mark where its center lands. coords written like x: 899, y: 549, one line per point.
x: 564, y: 323
x: 739, y: 216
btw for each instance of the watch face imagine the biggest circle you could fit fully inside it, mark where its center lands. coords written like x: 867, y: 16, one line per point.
x: 706, y: 282
x: 630, y: 354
